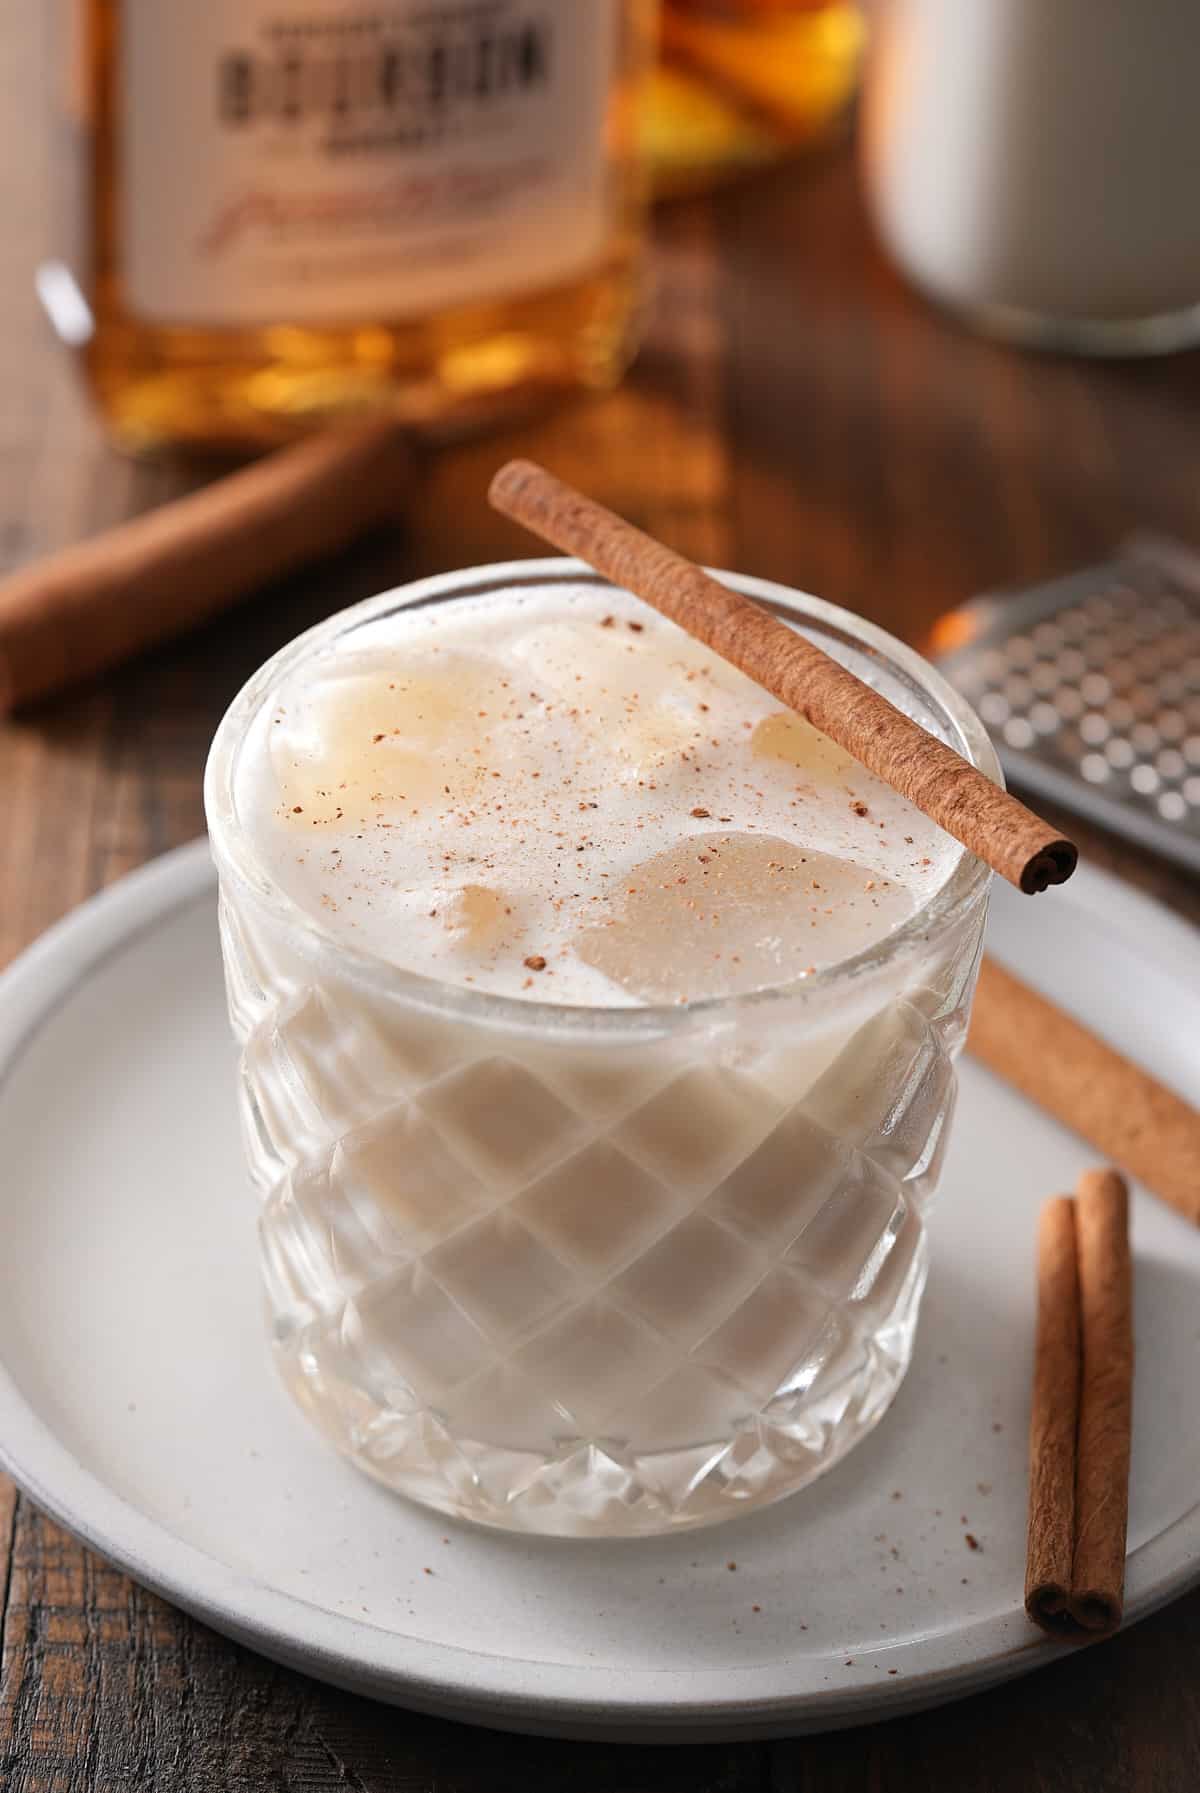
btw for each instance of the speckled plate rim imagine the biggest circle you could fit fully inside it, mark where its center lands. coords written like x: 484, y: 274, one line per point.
x: 663, y: 1705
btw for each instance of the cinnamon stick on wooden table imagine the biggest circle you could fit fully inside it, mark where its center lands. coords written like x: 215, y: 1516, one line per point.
x: 985, y: 818
x: 1081, y: 1420
x: 78, y: 612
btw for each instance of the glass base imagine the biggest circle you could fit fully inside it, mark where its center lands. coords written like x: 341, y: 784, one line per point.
x: 1166, y: 333
x: 599, y: 1487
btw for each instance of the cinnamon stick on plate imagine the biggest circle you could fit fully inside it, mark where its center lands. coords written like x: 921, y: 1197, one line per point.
x: 1081, y: 1420
x: 1105, y: 1401
x: 1054, y: 1420
x: 1120, y: 1109
x: 988, y: 820
x: 74, y: 614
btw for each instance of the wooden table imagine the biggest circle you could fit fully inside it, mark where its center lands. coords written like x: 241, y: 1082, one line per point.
x: 798, y: 414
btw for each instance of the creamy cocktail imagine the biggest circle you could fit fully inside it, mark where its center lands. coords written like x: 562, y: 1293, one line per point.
x: 596, y: 1020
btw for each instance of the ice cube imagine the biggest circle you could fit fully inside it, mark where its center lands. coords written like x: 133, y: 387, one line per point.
x: 788, y: 737
x: 393, y: 734
x: 623, y: 686
x: 478, y: 918
x: 720, y: 914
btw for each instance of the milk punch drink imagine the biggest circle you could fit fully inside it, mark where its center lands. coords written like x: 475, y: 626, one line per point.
x: 555, y: 794
x: 596, y: 1021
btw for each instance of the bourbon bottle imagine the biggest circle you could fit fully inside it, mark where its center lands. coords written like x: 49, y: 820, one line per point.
x: 296, y: 209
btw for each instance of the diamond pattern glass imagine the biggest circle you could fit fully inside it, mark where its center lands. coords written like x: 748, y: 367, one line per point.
x: 575, y: 1274
x: 578, y: 1316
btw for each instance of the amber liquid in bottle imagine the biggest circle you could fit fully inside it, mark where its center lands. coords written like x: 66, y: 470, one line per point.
x: 745, y: 82
x: 313, y: 208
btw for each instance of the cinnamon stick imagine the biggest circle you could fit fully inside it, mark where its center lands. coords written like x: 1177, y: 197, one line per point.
x: 1105, y: 1401
x: 988, y: 820
x: 1112, y: 1103
x: 87, y: 608
x: 1054, y: 1421
x: 1081, y: 1420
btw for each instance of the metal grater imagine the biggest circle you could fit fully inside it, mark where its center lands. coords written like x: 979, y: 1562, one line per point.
x: 1090, y: 688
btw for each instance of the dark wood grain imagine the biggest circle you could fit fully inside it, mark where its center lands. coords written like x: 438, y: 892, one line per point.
x: 799, y: 414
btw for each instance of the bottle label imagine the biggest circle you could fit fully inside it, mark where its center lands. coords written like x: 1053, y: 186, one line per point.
x: 331, y: 161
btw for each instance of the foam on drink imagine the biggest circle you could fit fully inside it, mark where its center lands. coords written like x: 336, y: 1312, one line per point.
x: 557, y: 794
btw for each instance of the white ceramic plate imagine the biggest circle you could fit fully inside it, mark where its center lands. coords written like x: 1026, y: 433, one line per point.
x: 137, y: 1405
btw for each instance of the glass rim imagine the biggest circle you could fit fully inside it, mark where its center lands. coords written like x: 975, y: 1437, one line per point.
x: 234, y: 852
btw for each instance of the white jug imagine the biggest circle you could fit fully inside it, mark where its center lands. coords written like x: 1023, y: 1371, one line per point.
x: 1036, y: 164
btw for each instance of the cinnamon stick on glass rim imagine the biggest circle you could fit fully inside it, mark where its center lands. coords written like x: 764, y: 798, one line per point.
x: 93, y: 605
x: 1080, y: 1427
x: 988, y: 820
